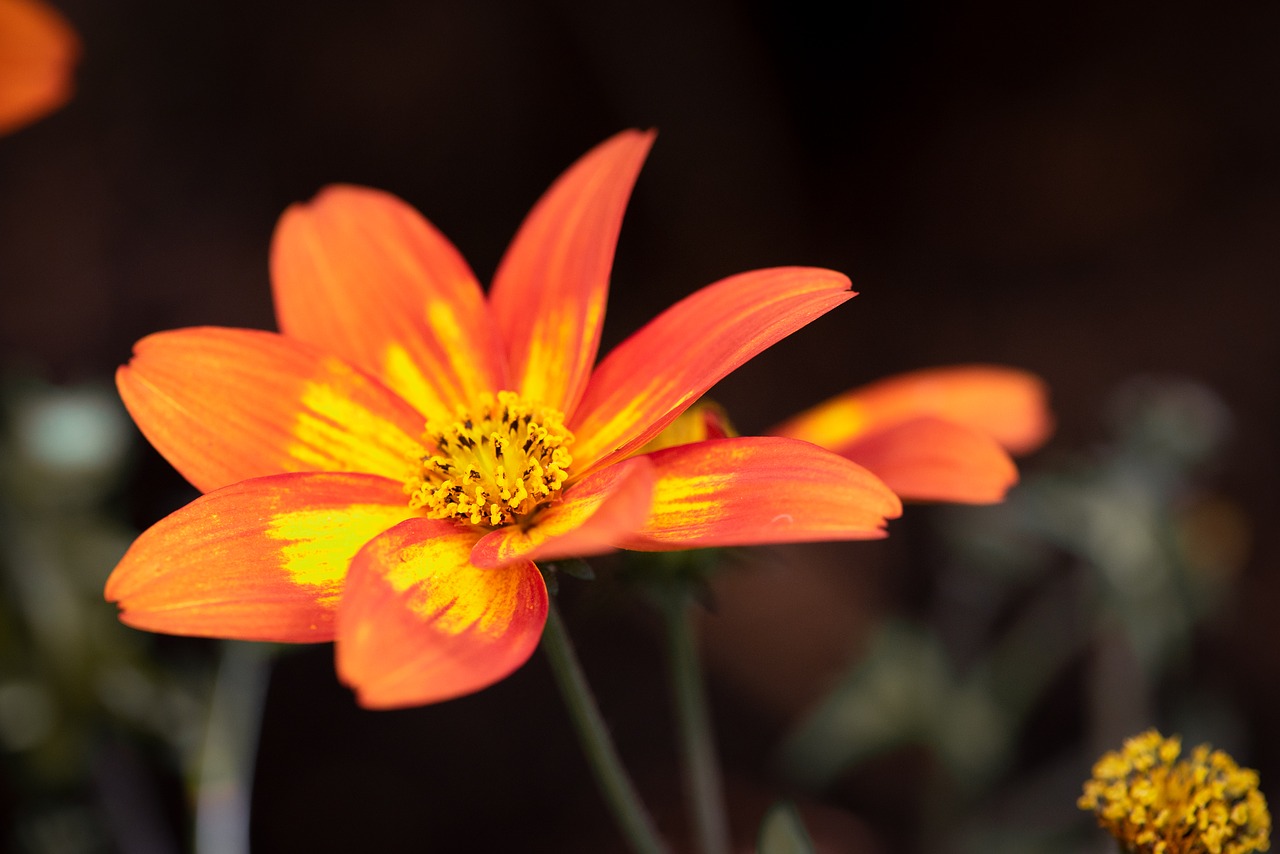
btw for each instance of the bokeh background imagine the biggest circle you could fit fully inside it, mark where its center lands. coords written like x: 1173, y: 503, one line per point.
x: 1089, y: 191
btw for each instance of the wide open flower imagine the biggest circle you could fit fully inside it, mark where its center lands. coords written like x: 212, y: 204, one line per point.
x: 332, y: 513
x: 940, y: 434
x: 38, y: 50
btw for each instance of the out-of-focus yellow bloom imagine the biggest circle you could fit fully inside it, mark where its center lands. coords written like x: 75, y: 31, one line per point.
x: 1154, y: 803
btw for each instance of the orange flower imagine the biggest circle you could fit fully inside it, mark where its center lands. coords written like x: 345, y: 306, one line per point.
x: 331, y: 513
x: 38, y: 49
x: 942, y: 434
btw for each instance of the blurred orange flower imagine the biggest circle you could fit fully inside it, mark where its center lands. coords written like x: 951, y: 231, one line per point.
x: 38, y: 50
x: 331, y: 513
x: 940, y: 434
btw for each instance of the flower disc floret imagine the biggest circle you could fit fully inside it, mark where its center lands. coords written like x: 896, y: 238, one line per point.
x: 496, y: 463
x: 1154, y: 804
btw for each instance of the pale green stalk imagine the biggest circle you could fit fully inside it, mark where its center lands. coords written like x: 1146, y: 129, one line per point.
x: 703, y: 787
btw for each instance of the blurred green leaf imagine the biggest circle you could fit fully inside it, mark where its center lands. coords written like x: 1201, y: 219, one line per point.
x: 884, y: 701
x: 576, y: 568
x: 783, y: 832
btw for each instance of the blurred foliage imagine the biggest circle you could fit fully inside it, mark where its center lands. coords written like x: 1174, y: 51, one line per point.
x: 92, y: 720
x: 783, y: 832
x: 1096, y: 573
x: 1104, y: 561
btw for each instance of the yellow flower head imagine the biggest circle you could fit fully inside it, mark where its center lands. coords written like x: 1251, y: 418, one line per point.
x: 1154, y: 803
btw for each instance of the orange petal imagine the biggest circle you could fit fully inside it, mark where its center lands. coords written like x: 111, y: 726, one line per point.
x: 223, y: 405
x: 751, y: 490
x: 264, y: 559
x: 653, y: 376
x: 549, y: 292
x: 594, y: 515
x: 1008, y: 405
x: 38, y: 50
x: 363, y: 275
x: 419, y: 624
x: 929, y: 459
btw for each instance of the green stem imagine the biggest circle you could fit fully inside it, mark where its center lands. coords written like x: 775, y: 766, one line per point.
x: 701, y: 767
x: 602, y: 756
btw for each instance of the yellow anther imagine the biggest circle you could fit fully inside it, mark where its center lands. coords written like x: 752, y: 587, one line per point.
x: 495, y: 463
x: 1154, y: 804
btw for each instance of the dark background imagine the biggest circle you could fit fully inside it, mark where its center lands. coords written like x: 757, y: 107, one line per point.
x: 1085, y: 191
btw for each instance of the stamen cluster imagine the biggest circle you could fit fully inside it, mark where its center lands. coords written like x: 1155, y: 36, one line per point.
x: 495, y: 464
x: 1154, y: 804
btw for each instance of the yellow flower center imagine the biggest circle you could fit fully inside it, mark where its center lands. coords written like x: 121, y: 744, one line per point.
x: 496, y: 463
x: 1152, y: 804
